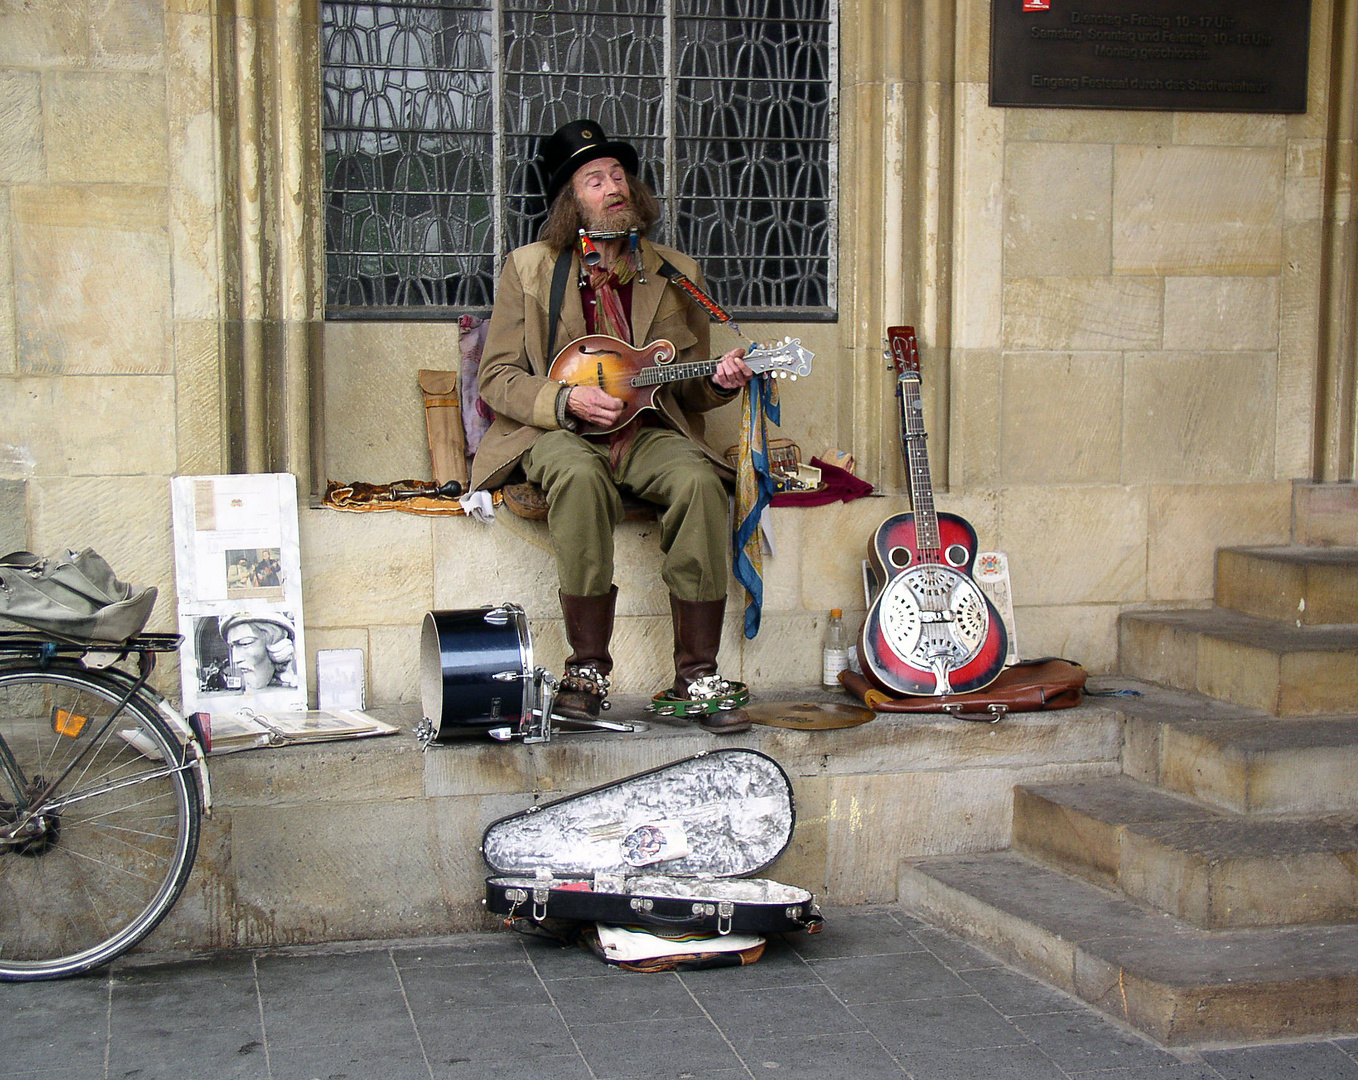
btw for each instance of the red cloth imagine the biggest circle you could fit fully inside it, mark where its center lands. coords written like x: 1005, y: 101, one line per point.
x: 607, y: 299
x: 840, y: 486
x: 617, y: 305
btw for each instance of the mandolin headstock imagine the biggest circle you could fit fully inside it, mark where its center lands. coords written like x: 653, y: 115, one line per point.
x: 787, y: 359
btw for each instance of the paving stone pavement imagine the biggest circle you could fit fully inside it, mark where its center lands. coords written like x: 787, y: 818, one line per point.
x: 876, y: 995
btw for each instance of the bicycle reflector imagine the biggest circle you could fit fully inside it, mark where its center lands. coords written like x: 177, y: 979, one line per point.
x: 65, y: 722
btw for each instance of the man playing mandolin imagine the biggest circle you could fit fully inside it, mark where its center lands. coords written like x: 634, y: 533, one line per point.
x: 572, y: 437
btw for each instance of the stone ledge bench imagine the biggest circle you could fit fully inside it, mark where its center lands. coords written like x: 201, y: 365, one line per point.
x: 377, y: 838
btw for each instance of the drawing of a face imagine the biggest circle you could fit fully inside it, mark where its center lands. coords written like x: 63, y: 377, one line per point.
x: 249, y: 647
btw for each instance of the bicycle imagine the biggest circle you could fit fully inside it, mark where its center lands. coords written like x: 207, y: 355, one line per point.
x: 103, y: 786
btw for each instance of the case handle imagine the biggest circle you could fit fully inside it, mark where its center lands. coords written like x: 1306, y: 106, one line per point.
x: 724, y: 910
x: 993, y: 715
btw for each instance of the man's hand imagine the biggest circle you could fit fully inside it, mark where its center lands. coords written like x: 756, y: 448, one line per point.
x: 594, y: 406
x: 732, y: 372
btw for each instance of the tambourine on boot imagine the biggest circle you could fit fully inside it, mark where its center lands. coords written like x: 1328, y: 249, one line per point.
x: 699, y: 693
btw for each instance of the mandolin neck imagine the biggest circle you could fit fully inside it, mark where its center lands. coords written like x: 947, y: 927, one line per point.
x: 654, y: 376
x: 758, y: 362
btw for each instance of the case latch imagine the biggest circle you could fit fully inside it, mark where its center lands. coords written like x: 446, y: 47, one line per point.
x: 542, y: 891
x: 726, y: 909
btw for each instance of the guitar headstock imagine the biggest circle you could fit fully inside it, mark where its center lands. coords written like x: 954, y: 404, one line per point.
x: 787, y: 359
x: 903, y: 350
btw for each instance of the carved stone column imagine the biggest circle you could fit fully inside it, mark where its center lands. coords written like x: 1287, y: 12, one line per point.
x: 896, y: 221
x: 1336, y: 447
x: 269, y: 75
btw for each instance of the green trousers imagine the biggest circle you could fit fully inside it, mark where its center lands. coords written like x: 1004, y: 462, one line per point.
x: 584, y: 505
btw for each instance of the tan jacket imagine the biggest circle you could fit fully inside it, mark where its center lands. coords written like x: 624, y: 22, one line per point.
x: 514, y: 363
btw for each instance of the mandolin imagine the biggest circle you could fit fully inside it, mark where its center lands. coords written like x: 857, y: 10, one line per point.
x: 930, y: 630
x: 634, y: 375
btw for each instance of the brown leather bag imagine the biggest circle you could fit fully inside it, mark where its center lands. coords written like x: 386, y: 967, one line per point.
x: 443, y: 423
x: 1028, y: 686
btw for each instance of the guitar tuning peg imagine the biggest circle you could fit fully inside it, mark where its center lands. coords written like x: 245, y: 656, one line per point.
x: 793, y: 378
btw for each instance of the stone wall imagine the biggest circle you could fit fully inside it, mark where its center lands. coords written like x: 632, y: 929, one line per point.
x: 88, y: 419
x: 1119, y: 313
x: 1130, y: 340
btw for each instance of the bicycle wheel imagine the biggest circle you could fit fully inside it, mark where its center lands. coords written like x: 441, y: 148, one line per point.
x: 107, y: 852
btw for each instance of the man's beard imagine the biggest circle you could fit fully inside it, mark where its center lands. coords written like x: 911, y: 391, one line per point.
x: 618, y: 219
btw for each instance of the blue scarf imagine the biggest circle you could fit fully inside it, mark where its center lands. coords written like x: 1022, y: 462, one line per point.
x: 754, y: 489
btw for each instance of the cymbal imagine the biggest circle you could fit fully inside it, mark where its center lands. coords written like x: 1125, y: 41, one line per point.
x: 808, y: 715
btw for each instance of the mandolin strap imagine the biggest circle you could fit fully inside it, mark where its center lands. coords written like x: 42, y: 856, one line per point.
x: 702, y: 299
x: 561, y: 274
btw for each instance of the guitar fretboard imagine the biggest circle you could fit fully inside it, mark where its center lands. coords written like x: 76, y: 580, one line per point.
x: 914, y: 438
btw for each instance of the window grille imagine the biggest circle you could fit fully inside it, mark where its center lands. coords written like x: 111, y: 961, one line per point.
x: 433, y: 111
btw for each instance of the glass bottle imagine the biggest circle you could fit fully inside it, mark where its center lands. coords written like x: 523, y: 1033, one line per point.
x: 834, y: 651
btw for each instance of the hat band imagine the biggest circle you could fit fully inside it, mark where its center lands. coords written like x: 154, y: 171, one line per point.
x: 594, y: 146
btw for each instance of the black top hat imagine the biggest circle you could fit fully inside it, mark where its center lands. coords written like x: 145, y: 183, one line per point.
x: 569, y: 147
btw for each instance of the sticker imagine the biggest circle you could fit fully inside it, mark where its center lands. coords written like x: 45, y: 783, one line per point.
x: 653, y: 842
x: 1037, y: 5
x: 991, y: 564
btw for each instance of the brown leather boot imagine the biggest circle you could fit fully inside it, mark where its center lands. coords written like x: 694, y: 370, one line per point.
x: 697, y: 637
x: 589, y: 629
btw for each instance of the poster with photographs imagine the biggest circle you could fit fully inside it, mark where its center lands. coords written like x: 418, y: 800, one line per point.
x: 238, y: 571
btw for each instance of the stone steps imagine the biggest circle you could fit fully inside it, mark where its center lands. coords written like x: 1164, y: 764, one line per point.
x: 1210, y: 868
x: 1277, y: 667
x: 1309, y: 586
x: 1210, y: 892
x: 1178, y: 983
x: 1243, y: 761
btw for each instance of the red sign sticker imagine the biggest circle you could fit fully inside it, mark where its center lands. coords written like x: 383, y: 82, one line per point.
x: 1037, y: 5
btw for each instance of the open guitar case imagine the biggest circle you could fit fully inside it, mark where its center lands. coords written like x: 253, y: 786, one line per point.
x: 669, y: 848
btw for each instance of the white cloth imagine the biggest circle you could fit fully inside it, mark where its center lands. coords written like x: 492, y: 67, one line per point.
x: 478, y: 506
x: 629, y: 943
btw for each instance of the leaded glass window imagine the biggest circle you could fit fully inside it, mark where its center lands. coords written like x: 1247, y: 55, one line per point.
x: 433, y: 111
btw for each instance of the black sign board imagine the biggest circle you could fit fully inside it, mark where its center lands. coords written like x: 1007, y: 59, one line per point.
x: 1218, y: 55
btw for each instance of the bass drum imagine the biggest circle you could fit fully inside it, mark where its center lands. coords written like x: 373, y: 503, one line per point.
x: 475, y: 670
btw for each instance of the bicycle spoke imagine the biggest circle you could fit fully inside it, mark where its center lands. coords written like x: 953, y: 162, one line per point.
x: 93, y: 868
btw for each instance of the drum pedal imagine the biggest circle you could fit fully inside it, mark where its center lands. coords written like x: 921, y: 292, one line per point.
x: 470, y: 663
x: 600, y: 725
